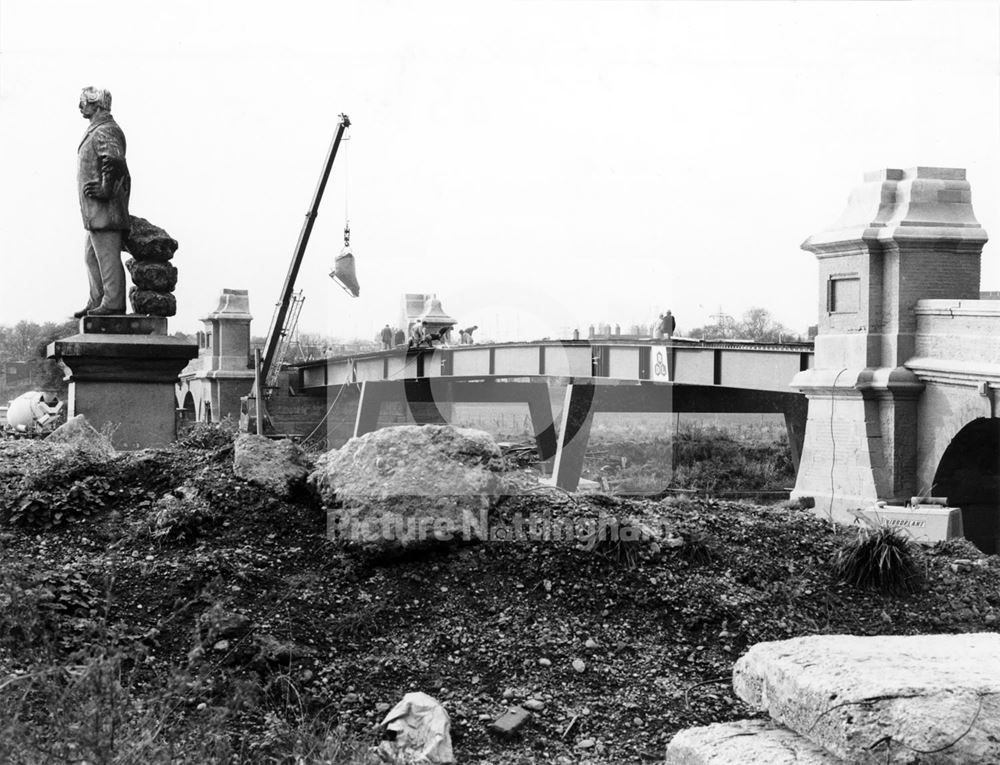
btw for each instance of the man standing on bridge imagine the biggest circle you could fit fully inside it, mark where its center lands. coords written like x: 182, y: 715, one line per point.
x: 668, y: 325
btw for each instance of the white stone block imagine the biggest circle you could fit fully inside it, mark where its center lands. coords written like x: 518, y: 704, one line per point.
x: 747, y: 742
x: 883, y: 699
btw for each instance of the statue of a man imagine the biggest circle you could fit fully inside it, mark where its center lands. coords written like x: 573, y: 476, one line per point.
x: 103, y: 183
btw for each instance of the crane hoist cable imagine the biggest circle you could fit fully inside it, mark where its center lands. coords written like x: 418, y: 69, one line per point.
x: 344, y: 271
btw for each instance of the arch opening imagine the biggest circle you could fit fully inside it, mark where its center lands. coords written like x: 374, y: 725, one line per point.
x: 969, y: 476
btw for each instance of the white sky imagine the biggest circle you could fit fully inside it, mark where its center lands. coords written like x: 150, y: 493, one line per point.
x: 537, y: 165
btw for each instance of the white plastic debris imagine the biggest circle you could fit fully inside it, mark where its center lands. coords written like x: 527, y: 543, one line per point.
x: 422, y: 729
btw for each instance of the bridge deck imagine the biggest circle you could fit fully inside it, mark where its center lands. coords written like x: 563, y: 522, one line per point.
x: 632, y: 376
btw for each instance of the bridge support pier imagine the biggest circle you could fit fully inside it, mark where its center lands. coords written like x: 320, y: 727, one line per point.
x: 369, y: 408
x: 906, y: 235
x: 574, y: 435
x: 795, y: 426
x: 861, y: 439
x: 542, y: 421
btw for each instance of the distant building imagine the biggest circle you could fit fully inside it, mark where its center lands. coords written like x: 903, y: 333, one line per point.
x: 605, y: 331
x: 17, y: 375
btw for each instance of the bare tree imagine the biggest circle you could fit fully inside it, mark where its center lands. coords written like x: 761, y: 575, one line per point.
x: 757, y: 324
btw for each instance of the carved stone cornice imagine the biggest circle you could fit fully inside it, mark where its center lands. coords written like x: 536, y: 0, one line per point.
x: 971, y: 374
x: 865, y: 382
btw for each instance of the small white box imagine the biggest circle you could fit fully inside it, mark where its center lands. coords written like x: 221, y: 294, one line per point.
x: 924, y: 523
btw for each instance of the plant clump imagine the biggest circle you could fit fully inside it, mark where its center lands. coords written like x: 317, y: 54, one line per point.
x: 209, y: 435
x: 880, y: 559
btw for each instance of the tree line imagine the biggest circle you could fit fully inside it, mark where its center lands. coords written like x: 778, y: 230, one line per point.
x: 757, y: 324
x: 24, y: 344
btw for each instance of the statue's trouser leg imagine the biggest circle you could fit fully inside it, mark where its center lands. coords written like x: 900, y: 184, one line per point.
x: 93, y: 274
x: 107, y: 247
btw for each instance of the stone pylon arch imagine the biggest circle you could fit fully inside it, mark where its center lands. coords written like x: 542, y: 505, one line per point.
x: 189, y: 406
x: 968, y: 475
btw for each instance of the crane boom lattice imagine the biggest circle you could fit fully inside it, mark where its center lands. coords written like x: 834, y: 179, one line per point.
x: 286, y: 333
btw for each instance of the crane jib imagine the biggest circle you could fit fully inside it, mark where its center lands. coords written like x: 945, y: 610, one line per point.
x: 277, y: 326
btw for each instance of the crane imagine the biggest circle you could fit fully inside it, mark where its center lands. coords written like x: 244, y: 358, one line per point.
x: 277, y: 330
x: 278, y: 334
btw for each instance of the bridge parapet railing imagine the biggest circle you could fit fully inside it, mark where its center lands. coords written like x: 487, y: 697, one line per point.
x: 765, y: 366
x: 961, y: 330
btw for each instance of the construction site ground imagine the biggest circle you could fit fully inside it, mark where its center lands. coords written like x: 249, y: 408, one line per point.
x: 241, y: 633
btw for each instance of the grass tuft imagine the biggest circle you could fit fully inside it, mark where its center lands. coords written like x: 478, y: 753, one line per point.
x: 879, y: 559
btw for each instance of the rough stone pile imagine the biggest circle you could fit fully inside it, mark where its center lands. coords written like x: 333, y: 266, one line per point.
x: 76, y: 434
x: 277, y: 465
x: 843, y: 698
x: 391, y: 481
x: 153, y: 277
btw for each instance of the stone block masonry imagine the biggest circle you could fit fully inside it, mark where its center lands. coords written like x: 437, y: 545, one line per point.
x: 883, y: 699
x: 907, y: 235
x: 844, y: 698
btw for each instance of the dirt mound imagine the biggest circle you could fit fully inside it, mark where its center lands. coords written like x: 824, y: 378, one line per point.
x: 615, y: 651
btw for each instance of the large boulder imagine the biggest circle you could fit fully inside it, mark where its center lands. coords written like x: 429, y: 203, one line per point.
x: 149, y: 275
x: 148, y: 242
x: 278, y: 465
x: 77, y: 435
x: 152, y: 303
x: 410, y: 484
x: 882, y: 699
x: 748, y: 742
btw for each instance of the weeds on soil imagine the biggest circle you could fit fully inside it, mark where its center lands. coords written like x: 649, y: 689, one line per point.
x: 707, y: 458
x: 624, y: 552
x: 879, y: 559
x: 697, y: 548
x: 208, y: 435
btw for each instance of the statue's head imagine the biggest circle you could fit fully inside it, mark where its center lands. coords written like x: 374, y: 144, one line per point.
x: 96, y: 97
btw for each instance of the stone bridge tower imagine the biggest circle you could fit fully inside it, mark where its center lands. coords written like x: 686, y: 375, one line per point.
x: 906, y: 235
x: 211, y: 385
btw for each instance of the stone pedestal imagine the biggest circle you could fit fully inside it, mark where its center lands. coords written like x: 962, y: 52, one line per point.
x: 122, y: 373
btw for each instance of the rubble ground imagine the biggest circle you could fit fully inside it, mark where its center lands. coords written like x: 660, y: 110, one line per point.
x: 156, y: 607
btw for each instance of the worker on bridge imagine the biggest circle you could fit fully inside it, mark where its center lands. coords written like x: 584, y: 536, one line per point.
x: 669, y: 325
x: 418, y: 335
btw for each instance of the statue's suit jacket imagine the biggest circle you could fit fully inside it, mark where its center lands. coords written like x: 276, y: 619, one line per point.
x: 102, y: 158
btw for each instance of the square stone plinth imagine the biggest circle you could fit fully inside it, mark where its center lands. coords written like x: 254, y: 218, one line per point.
x: 125, y: 382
